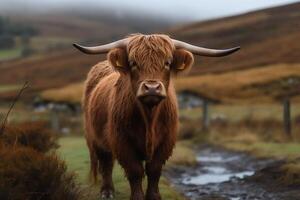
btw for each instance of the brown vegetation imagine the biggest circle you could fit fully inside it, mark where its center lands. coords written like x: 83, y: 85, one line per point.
x: 255, y: 85
x: 30, y: 134
x: 268, y: 38
x: 252, y: 85
x: 26, y: 172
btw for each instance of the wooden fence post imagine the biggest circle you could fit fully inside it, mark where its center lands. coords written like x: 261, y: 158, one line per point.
x: 287, y: 117
x: 54, y: 120
x: 205, y: 115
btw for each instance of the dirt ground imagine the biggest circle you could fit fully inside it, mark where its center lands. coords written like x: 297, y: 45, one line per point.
x: 226, y: 175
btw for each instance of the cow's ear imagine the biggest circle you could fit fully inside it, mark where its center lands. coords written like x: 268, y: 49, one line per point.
x: 118, y: 59
x: 182, y: 61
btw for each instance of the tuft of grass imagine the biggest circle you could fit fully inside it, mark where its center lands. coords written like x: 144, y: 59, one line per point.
x: 290, y: 174
x: 183, y: 155
x: 75, y: 152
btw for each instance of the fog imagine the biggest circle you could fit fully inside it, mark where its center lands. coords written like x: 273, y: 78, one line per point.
x: 188, y: 10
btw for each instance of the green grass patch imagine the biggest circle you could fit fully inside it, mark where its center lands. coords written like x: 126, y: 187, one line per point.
x: 7, y: 54
x: 75, y: 152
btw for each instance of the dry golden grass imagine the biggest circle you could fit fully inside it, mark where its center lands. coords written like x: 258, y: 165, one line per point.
x: 183, y: 155
x: 232, y: 86
x: 290, y: 173
x: 71, y: 93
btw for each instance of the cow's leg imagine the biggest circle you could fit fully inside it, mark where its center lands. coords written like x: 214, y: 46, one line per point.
x: 134, y: 171
x: 106, y: 164
x: 153, y: 172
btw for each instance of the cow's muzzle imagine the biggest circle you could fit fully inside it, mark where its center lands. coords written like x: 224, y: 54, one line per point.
x: 151, y: 92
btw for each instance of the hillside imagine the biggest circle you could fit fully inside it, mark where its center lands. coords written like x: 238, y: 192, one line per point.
x: 56, y: 62
x: 102, y: 25
x: 268, y: 38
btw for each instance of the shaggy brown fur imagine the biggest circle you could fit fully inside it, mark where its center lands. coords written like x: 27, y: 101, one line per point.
x: 119, y: 126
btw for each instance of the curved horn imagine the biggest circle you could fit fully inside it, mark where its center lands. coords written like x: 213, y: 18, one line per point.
x: 102, y: 48
x: 201, y: 51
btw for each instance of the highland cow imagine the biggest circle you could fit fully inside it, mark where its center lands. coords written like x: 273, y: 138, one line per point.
x: 131, y: 110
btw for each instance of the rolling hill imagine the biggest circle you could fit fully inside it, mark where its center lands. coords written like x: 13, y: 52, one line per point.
x: 269, y: 38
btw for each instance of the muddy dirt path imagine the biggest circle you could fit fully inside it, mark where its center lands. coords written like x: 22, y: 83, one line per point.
x: 224, y: 175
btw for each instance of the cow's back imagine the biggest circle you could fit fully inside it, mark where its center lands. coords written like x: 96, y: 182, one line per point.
x: 98, y: 72
x: 98, y: 87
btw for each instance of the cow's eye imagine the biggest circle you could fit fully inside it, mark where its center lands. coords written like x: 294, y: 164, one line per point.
x: 167, y: 65
x: 133, y: 65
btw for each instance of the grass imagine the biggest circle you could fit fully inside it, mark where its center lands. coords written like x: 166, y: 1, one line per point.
x: 22, y: 113
x: 8, y: 54
x: 240, y: 88
x: 236, y: 112
x: 286, y: 174
x: 250, y: 86
x: 288, y: 150
x: 183, y: 155
x: 74, y: 151
x: 70, y: 93
x: 9, y: 88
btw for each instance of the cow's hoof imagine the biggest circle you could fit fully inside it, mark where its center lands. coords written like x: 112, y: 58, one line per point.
x: 107, y: 194
x: 153, y: 196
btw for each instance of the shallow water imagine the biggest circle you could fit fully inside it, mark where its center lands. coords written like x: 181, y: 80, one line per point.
x: 204, y: 179
x: 215, y: 171
x: 220, y: 175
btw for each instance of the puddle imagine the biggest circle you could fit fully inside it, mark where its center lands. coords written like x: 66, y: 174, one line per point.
x: 220, y: 175
x: 203, y: 179
x: 214, y: 169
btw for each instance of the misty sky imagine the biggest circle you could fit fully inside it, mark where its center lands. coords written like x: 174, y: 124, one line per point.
x: 184, y: 10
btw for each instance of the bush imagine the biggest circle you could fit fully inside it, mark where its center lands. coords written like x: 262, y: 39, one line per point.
x: 27, y: 174
x: 30, y: 134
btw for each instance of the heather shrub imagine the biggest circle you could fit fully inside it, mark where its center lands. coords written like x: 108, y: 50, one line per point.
x: 30, y: 134
x: 27, y: 174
